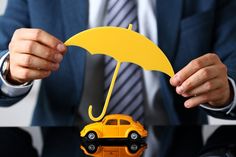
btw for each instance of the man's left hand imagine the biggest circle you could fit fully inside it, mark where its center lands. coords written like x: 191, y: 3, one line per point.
x: 203, y: 80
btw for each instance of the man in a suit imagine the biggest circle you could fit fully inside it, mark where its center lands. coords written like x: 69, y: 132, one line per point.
x: 198, y: 37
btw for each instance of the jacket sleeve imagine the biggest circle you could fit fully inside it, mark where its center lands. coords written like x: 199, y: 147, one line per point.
x: 16, y: 16
x: 225, y: 45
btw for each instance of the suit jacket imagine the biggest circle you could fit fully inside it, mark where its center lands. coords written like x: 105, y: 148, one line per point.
x: 186, y: 30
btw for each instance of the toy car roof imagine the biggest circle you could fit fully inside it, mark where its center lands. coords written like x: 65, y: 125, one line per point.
x: 119, y: 116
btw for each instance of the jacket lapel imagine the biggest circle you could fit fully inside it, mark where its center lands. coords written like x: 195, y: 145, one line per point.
x: 168, y: 18
x: 75, y: 18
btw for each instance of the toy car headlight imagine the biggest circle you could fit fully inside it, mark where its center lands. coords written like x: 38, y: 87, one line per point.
x: 83, y: 131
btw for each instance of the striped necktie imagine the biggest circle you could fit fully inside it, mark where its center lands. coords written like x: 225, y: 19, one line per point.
x: 127, y: 96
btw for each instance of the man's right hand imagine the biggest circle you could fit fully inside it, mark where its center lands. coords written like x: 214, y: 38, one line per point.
x: 34, y: 54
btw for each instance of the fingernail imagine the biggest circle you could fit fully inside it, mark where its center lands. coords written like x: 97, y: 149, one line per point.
x: 185, y: 95
x: 58, y: 57
x: 55, y: 66
x: 179, y: 89
x: 187, y: 105
x: 176, y: 79
x: 47, y: 73
x: 61, y: 47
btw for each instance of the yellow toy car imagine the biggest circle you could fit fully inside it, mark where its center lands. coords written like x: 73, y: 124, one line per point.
x: 114, y: 126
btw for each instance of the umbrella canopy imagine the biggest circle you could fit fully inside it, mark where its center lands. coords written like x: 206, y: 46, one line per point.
x: 124, y: 45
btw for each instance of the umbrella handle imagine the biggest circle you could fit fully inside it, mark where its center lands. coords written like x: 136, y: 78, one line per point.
x: 108, y: 96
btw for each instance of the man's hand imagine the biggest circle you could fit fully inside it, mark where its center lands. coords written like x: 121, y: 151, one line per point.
x: 34, y: 54
x: 203, y: 80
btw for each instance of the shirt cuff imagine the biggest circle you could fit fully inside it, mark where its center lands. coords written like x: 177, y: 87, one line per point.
x: 9, y: 89
x: 227, y: 108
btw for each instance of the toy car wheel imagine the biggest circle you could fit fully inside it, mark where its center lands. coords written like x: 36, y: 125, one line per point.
x: 91, y: 148
x: 133, y: 148
x: 91, y: 136
x: 133, y: 135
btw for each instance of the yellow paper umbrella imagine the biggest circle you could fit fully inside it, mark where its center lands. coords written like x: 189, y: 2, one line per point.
x: 124, y: 45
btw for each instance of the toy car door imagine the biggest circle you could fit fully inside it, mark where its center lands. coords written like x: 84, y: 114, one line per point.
x: 110, y: 129
x: 123, y: 127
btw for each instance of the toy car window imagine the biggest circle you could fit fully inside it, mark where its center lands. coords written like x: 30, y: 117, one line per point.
x: 124, y: 122
x: 111, y: 122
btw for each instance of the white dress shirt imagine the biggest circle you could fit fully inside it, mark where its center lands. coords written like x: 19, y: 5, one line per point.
x: 9, y: 89
x: 147, y: 26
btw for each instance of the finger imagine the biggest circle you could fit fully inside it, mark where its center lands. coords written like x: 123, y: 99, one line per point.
x: 198, y: 78
x: 213, y: 96
x: 40, y: 36
x: 26, y: 75
x: 192, y: 67
x: 36, y: 49
x: 33, y: 62
x: 206, y: 87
